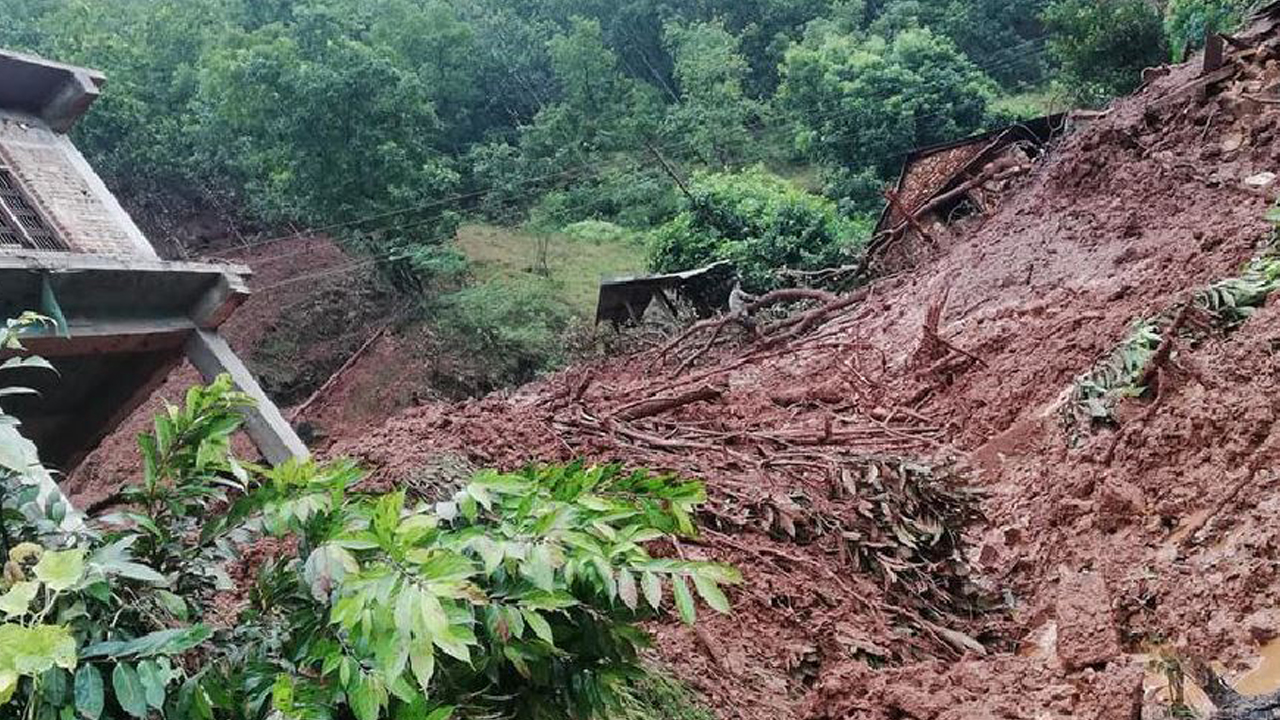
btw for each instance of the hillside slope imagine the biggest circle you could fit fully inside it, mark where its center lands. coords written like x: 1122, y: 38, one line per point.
x: 1096, y: 547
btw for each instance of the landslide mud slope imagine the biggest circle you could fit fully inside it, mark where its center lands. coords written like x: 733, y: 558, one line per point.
x: 1095, y: 547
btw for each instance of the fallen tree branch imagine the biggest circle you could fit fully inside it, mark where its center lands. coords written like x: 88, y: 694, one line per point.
x: 650, y: 407
x: 1165, y: 349
x: 717, y: 325
x: 335, y: 377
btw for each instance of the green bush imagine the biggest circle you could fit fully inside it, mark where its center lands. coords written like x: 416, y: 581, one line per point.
x: 865, y: 103
x: 518, y: 597
x: 760, y: 222
x: 1187, y: 21
x: 599, y: 231
x: 511, y: 328
x: 1101, y: 47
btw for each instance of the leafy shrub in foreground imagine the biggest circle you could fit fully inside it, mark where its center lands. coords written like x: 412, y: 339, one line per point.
x: 516, y: 598
x: 760, y: 222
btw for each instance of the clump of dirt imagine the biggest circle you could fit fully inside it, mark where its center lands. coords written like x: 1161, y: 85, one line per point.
x: 1157, y: 532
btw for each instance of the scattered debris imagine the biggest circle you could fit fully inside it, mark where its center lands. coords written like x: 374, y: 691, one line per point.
x: 626, y: 300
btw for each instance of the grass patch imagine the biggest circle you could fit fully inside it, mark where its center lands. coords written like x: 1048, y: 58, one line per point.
x: 1029, y: 104
x: 575, y: 264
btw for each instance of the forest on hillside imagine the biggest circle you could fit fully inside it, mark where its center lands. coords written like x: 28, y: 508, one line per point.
x: 758, y: 131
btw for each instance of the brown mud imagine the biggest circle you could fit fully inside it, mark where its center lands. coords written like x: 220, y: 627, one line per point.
x: 1096, y: 547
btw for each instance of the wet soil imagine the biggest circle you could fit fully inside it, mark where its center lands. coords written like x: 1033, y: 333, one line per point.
x: 1098, y: 545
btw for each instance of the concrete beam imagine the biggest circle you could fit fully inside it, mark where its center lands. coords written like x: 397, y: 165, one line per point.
x: 273, y: 435
x: 220, y: 302
x: 100, y: 337
x: 56, y: 93
x: 73, y: 262
x: 70, y: 102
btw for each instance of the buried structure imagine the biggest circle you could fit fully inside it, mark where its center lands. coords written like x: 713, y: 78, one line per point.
x: 124, y: 317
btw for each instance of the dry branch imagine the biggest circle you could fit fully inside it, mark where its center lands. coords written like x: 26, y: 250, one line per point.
x: 650, y: 407
x: 334, y: 378
x: 741, y: 316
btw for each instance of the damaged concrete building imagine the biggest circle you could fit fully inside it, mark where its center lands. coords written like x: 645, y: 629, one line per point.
x: 125, y: 317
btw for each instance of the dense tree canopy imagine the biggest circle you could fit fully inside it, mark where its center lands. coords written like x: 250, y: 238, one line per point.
x: 387, y: 119
x: 1102, y: 46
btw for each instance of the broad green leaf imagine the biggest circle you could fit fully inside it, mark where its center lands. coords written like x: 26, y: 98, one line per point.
x: 153, y: 682
x: 326, y: 567
x: 490, y: 553
x: 31, y: 361
x: 88, y: 692
x: 453, y: 644
x: 684, y: 600
x: 129, y: 691
x: 711, y: 594
x: 173, y: 603
x: 363, y: 699
x: 422, y: 660
x: 605, y: 573
x: 539, y: 625
x: 627, y: 589
x: 17, y: 453
x: 18, y: 600
x: 174, y: 641
x: 61, y: 570
x: 443, y: 713
x: 33, y: 650
x: 538, y: 568
x: 652, y: 586
x: 434, y: 617
x: 8, y: 683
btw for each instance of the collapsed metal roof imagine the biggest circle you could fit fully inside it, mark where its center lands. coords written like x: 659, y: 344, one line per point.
x: 930, y: 171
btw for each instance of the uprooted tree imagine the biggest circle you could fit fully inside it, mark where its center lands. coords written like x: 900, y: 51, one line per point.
x: 516, y: 597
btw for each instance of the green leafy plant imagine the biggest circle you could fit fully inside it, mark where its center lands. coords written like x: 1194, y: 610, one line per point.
x: 1220, y: 307
x: 517, y: 597
x: 512, y: 328
x: 760, y: 222
x: 1101, y: 47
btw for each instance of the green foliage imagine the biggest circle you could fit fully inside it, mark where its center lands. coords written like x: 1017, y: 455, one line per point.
x: 1000, y: 34
x: 1224, y: 306
x: 1100, y: 47
x: 489, y: 601
x: 760, y: 222
x: 387, y: 121
x: 513, y: 326
x: 599, y: 231
x: 863, y: 104
x: 714, y: 112
x: 1187, y: 21
x: 518, y: 597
